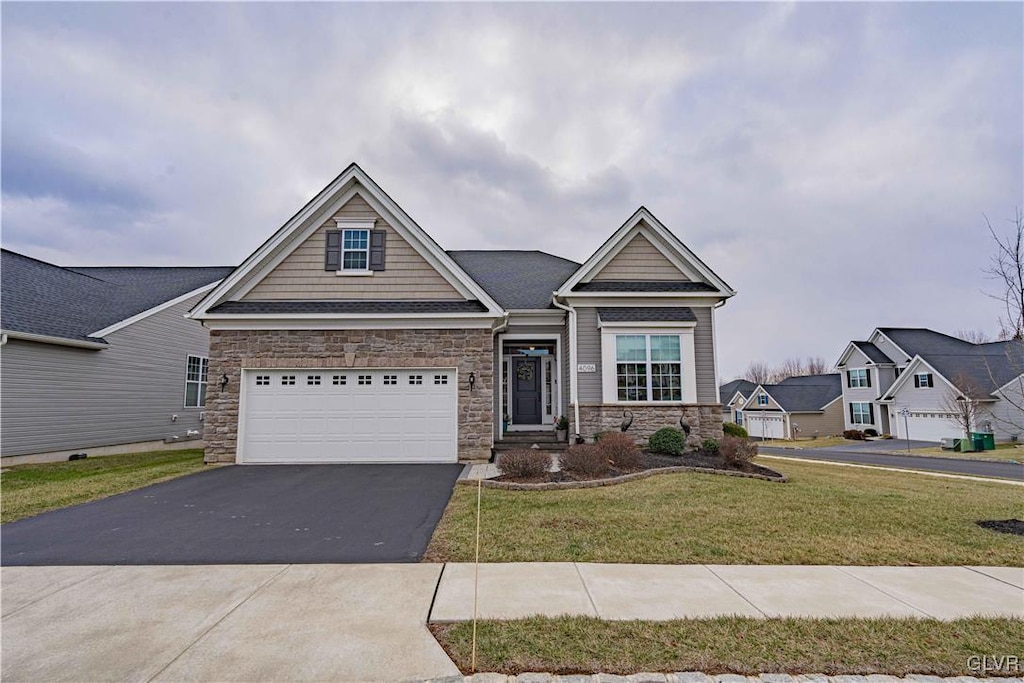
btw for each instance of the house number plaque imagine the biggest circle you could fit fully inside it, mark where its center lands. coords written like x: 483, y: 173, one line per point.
x: 586, y: 367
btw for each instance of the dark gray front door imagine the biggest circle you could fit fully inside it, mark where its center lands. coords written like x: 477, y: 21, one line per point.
x: 526, y: 391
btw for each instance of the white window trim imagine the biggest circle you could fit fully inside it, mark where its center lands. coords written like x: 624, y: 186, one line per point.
x: 687, y: 358
x: 200, y: 383
x: 867, y: 378
x: 867, y: 416
x: 344, y: 224
x: 764, y: 402
x: 919, y: 376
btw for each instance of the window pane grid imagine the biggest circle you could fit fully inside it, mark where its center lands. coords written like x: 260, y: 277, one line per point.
x: 648, y: 367
x: 196, y: 368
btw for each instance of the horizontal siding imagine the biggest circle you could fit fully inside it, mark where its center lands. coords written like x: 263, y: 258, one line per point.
x: 829, y: 423
x: 61, y: 398
x: 589, y: 351
x: 301, y: 275
x: 640, y: 260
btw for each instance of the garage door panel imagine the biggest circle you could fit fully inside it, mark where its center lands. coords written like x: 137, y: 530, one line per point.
x: 349, y: 416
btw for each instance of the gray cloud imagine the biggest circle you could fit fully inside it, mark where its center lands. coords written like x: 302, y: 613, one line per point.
x: 831, y: 161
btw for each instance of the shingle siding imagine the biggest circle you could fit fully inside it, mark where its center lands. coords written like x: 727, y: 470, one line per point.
x: 639, y: 260
x: 301, y: 275
x: 57, y: 398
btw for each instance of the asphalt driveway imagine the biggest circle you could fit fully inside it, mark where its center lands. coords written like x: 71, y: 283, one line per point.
x: 252, y: 514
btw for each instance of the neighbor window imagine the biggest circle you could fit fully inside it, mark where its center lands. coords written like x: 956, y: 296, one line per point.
x: 858, y: 379
x: 355, y: 249
x: 762, y: 399
x: 923, y: 380
x: 195, y: 381
x: 862, y: 413
x: 738, y: 417
x: 648, y: 367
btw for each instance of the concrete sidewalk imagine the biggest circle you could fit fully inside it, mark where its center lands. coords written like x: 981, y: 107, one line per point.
x: 220, y: 623
x: 661, y: 592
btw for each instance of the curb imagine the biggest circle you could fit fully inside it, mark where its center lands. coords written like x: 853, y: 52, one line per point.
x: 698, y: 677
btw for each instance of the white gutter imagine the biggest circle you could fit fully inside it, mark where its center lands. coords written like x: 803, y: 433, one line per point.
x: 573, y: 391
x: 57, y: 341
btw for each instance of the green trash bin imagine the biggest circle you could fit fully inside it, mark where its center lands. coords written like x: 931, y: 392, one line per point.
x: 983, y: 441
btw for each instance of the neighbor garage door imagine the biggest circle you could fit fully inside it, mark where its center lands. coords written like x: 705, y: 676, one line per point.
x: 348, y: 416
x: 927, y: 426
x: 767, y: 426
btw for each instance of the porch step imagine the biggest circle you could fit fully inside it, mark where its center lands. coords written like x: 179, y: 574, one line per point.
x: 530, y: 437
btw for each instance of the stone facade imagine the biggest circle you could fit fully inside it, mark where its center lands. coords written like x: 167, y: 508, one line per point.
x: 470, y: 350
x: 704, y: 420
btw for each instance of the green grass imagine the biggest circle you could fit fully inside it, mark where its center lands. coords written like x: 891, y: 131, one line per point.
x: 1004, y: 452
x: 28, y: 490
x: 821, y: 442
x: 740, y: 645
x: 824, y: 515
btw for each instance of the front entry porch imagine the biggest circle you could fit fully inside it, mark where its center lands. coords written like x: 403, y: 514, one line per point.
x: 530, y: 387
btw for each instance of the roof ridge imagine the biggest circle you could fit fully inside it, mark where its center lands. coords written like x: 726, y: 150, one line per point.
x: 66, y: 269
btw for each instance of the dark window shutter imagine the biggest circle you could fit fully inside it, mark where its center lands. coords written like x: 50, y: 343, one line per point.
x: 332, y: 255
x: 930, y: 382
x: 871, y: 413
x: 851, y: 414
x: 849, y: 378
x: 377, y: 241
x: 867, y: 373
x: 917, y: 381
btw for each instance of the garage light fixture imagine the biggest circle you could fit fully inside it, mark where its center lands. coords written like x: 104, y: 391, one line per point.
x: 224, y: 379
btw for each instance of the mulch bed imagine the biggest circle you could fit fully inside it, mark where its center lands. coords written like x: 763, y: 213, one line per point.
x: 651, y: 461
x: 1003, y: 526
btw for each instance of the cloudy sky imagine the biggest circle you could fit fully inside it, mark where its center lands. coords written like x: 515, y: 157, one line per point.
x: 834, y: 163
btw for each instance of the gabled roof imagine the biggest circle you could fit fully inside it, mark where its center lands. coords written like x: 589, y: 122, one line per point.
x: 807, y: 394
x: 517, y: 280
x: 874, y: 354
x: 643, y: 222
x: 74, y: 303
x: 350, y: 182
x: 743, y: 386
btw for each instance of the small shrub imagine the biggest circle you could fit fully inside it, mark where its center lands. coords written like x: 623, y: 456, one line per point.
x: 853, y: 435
x: 667, y: 440
x: 600, y: 435
x: 709, y: 446
x: 621, y: 451
x: 525, y: 463
x: 585, y: 461
x: 733, y: 429
x: 737, y: 452
x: 870, y: 432
x: 563, y: 424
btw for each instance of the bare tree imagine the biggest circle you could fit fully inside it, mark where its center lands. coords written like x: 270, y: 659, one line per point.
x: 961, y: 402
x: 759, y: 372
x: 1006, y: 268
x: 973, y: 336
x: 816, y: 365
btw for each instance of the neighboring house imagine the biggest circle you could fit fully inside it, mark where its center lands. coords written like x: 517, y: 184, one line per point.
x: 94, y: 358
x: 734, y: 394
x: 351, y: 336
x: 900, y: 381
x: 808, y: 406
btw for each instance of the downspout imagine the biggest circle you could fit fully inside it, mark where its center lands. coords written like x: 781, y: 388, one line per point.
x: 714, y: 347
x: 501, y: 382
x: 573, y: 391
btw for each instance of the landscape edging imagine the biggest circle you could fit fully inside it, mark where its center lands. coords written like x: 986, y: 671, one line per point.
x: 611, y: 481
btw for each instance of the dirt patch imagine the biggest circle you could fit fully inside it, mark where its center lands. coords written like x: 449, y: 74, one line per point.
x: 1003, y: 526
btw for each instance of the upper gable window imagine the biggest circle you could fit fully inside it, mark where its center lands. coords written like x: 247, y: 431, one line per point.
x: 858, y: 379
x: 355, y: 249
x: 923, y: 380
x: 762, y: 399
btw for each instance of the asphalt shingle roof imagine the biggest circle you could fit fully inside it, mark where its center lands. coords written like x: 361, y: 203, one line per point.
x: 874, y: 354
x: 806, y: 394
x: 729, y: 389
x: 517, y: 279
x: 71, y: 303
x: 645, y: 313
x: 642, y: 286
x: 368, y: 306
x: 984, y: 367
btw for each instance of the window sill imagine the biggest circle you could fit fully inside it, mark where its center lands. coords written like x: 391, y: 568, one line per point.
x: 354, y: 273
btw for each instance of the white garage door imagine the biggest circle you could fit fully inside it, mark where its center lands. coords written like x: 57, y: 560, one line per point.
x: 768, y: 426
x: 348, y: 416
x: 927, y: 426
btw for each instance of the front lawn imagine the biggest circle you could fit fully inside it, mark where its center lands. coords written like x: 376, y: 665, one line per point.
x: 824, y: 515
x: 1004, y: 452
x: 31, y: 489
x: 822, y: 442
x: 739, y: 645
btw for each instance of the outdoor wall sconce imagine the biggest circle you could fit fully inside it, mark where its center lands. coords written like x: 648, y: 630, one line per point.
x: 472, y: 380
x: 224, y: 379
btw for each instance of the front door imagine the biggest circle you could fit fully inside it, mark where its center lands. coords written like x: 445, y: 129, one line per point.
x: 526, y: 394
